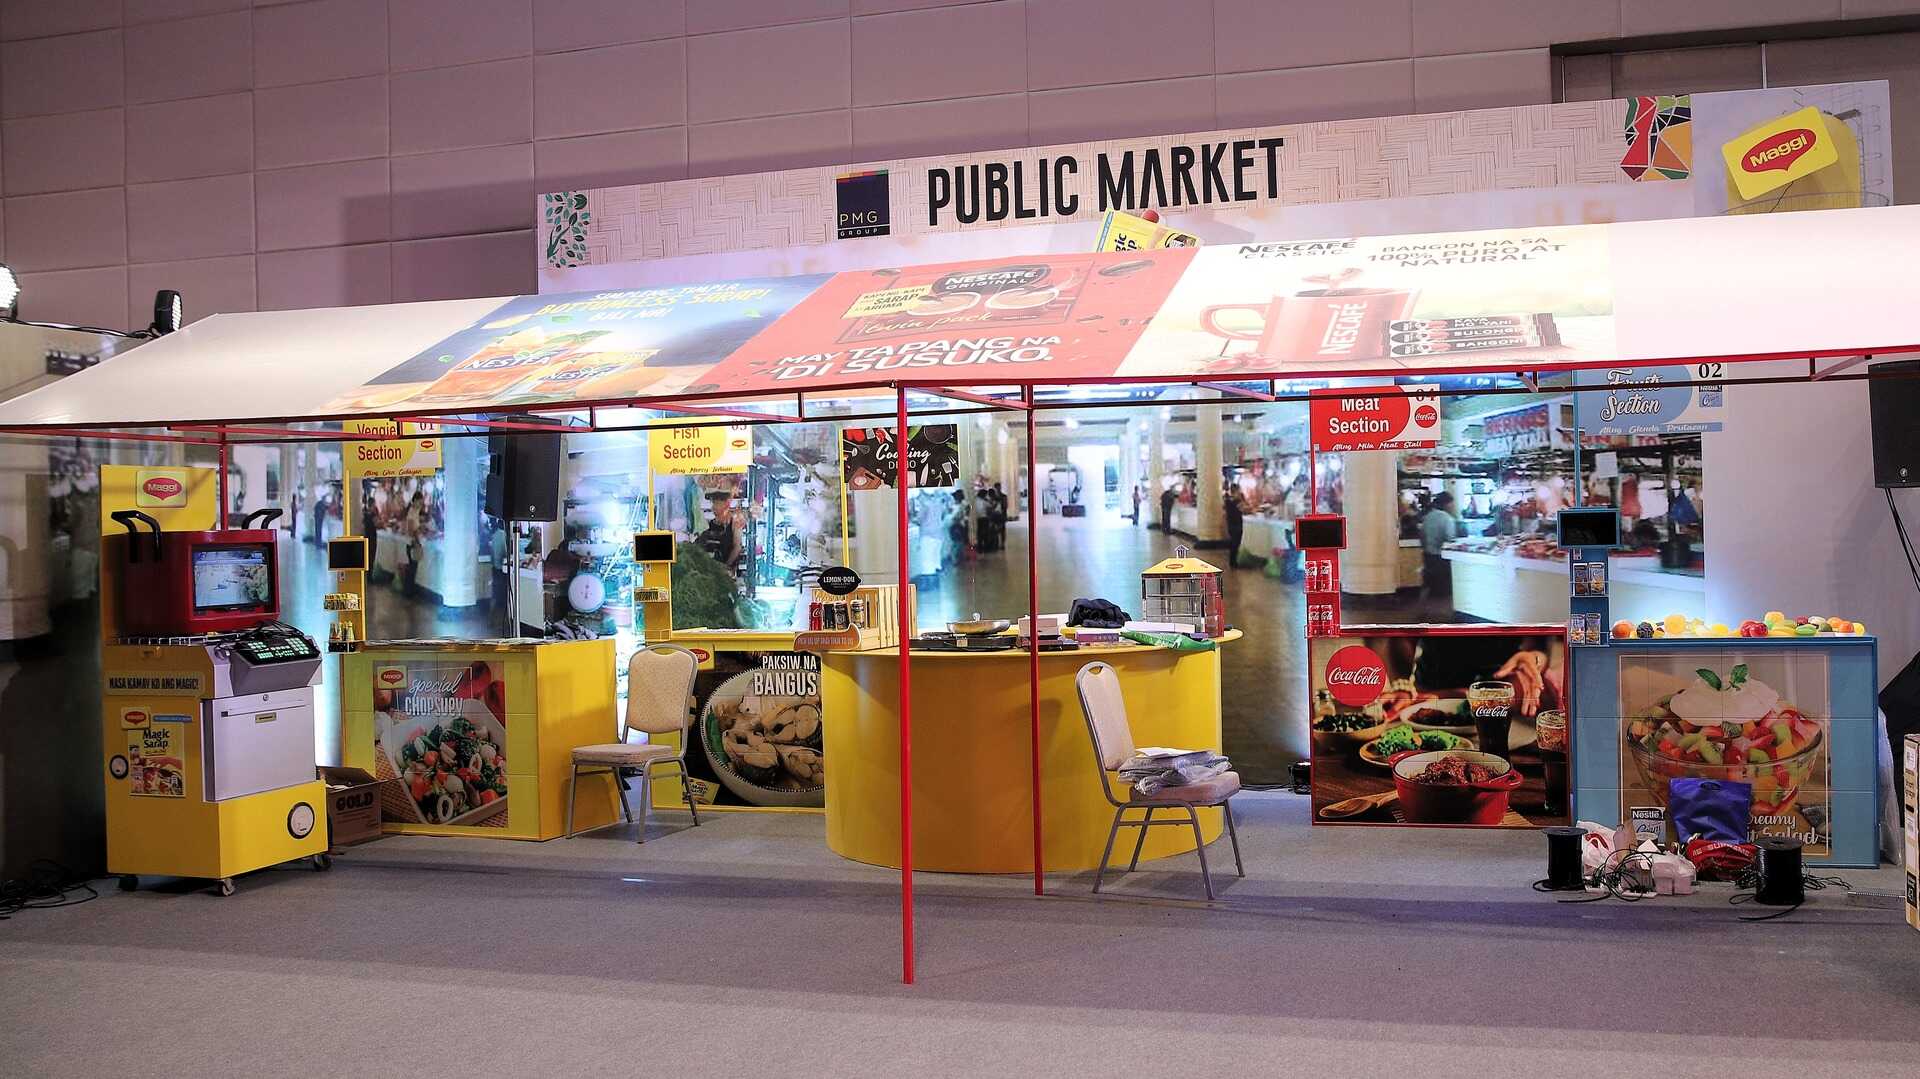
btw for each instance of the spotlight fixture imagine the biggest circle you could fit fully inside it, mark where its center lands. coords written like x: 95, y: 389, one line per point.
x: 9, y: 289
x: 168, y: 313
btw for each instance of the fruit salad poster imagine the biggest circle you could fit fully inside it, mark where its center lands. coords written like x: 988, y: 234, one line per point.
x: 1754, y: 724
x: 440, y: 734
x: 586, y: 346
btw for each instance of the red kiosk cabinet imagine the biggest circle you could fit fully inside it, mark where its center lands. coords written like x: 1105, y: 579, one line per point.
x: 1321, y: 537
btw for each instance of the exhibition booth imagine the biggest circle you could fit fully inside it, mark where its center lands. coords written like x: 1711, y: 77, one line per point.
x: 1492, y: 512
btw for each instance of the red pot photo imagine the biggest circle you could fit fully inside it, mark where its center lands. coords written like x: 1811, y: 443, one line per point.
x: 1453, y: 786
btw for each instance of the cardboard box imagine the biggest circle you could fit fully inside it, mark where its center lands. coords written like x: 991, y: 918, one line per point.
x: 353, y: 806
x: 1910, y: 817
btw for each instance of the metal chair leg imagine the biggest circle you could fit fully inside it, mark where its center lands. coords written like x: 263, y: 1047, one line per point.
x: 646, y: 798
x: 1233, y: 833
x: 572, y: 786
x: 1140, y: 842
x: 620, y: 792
x: 1200, y: 848
x: 686, y: 789
x: 1112, y: 831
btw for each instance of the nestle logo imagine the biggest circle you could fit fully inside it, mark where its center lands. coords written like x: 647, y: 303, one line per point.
x: 163, y: 487
x: 1779, y: 152
x: 862, y: 201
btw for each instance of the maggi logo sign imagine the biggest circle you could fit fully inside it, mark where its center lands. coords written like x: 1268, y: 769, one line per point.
x: 1780, y: 151
x: 1784, y: 149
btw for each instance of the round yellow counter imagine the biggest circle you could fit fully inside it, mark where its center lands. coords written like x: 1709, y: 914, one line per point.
x: 972, y: 801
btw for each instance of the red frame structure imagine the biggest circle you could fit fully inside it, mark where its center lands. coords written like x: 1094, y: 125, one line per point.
x: 1232, y: 392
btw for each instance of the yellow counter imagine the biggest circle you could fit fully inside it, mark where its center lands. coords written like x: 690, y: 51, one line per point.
x: 972, y: 803
x: 529, y: 705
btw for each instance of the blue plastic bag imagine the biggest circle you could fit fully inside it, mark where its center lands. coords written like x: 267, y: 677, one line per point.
x: 1710, y: 809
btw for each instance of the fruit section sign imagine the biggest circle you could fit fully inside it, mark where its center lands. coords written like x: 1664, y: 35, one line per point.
x: 1353, y: 419
x: 1650, y: 400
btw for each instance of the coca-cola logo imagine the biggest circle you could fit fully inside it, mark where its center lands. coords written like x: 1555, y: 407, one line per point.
x: 163, y: 487
x: 1356, y: 676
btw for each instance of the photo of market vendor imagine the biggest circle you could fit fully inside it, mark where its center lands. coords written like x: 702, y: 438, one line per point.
x: 725, y: 535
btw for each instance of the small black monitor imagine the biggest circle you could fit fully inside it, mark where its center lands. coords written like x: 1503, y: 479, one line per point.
x: 347, y: 552
x: 653, y: 546
x: 1598, y: 527
x: 1320, y: 532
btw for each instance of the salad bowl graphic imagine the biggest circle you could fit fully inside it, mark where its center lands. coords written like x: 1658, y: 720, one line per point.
x: 1731, y: 728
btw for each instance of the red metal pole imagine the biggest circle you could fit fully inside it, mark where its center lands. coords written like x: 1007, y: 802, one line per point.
x: 1313, y: 479
x: 1033, y: 645
x: 905, y: 615
x: 220, y: 520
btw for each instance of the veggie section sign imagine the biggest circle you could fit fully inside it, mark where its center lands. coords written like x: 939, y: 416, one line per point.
x: 1352, y: 418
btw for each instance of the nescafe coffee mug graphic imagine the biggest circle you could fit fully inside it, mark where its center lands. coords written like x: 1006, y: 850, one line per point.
x: 1356, y: 676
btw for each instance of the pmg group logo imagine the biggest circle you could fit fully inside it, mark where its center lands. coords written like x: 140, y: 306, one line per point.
x: 862, y: 201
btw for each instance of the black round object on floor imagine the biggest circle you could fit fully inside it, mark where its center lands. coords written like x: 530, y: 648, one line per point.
x: 1781, y: 884
x: 1563, y: 859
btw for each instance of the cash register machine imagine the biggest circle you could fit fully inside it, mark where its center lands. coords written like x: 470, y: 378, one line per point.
x: 208, y: 696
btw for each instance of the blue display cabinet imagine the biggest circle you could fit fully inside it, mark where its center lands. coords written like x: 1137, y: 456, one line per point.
x: 1731, y: 700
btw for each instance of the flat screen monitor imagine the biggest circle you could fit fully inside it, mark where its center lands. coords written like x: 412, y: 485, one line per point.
x: 1321, y: 532
x: 233, y: 578
x: 1589, y: 528
x: 653, y: 546
x: 349, y: 552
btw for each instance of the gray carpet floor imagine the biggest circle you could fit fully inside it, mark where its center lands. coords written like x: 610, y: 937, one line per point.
x: 746, y: 948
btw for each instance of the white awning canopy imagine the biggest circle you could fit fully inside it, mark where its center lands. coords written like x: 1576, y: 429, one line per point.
x: 1536, y: 300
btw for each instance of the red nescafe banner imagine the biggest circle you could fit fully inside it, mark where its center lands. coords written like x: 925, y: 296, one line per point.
x: 1375, y: 418
x: 1452, y: 725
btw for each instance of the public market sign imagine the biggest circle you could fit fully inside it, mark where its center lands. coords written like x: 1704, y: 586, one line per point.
x: 1352, y: 418
x: 699, y: 451
x: 1647, y: 401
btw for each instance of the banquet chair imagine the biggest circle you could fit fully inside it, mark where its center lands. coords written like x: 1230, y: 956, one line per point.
x: 659, y: 701
x: 1106, y: 714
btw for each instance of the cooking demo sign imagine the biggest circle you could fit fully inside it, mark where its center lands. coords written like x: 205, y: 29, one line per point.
x: 1650, y: 400
x: 1387, y: 418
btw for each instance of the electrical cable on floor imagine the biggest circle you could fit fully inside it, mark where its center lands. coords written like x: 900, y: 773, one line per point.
x: 47, y: 885
x: 1612, y: 879
x: 1749, y: 884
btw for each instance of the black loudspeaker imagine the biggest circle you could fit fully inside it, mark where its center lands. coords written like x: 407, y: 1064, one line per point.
x: 1893, y: 403
x: 523, y: 477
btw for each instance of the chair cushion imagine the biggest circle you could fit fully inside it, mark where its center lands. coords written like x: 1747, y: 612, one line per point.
x: 623, y: 753
x: 1206, y: 792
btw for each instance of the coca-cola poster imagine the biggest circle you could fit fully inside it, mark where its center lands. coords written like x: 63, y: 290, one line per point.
x: 1465, y: 726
